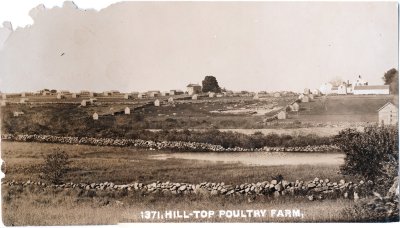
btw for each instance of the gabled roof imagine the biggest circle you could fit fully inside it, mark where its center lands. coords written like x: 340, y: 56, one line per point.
x: 387, y: 104
x: 193, y: 85
x: 371, y: 87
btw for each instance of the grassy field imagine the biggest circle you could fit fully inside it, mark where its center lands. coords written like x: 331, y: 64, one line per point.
x: 35, y: 206
x: 125, y: 165
x: 346, y: 108
x: 70, y: 119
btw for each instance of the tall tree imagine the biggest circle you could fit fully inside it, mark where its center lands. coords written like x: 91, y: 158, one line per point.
x: 391, y: 78
x: 210, y: 84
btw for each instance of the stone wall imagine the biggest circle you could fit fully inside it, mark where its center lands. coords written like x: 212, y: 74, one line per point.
x: 152, y: 145
x: 316, y: 189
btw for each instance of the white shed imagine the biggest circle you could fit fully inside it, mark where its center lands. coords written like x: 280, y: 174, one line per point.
x: 95, y: 116
x: 83, y: 103
x: 171, y: 99
x: 157, y: 103
x: 16, y: 114
x: 281, y: 115
x: 127, y: 111
x: 388, y: 114
x: 195, y: 97
x: 211, y: 94
x: 74, y: 95
x: 128, y: 96
x: 294, y: 107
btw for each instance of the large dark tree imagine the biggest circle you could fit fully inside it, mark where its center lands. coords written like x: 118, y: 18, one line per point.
x: 391, y: 78
x: 371, y: 154
x: 210, y: 84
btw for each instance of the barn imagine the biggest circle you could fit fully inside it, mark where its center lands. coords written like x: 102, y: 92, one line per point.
x: 154, y: 93
x: 60, y: 96
x: 305, y: 99
x: 281, y: 115
x: 295, y: 107
x: 342, y: 89
x: 142, y: 95
x: 193, y: 89
x: 127, y: 96
x: 371, y: 89
x: 277, y: 95
x: 316, y: 92
x: 16, y: 114
x: 388, y: 114
x: 334, y: 90
x: 326, y: 88
x: 74, y: 95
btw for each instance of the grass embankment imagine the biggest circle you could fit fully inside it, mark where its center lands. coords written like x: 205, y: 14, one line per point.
x: 35, y: 206
x: 344, y: 108
x: 125, y: 165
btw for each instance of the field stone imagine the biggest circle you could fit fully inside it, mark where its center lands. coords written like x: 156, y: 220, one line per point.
x: 182, y: 188
x: 279, y: 187
x: 311, y: 185
x: 214, y: 192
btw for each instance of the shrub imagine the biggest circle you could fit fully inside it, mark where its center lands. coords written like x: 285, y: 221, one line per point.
x: 371, y: 154
x: 55, y: 167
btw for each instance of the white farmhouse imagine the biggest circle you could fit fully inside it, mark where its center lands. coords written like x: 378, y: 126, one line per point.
x: 326, y: 88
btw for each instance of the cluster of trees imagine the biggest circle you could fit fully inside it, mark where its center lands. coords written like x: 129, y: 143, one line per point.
x: 210, y: 84
x: 371, y: 154
x: 234, y: 139
x: 391, y: 78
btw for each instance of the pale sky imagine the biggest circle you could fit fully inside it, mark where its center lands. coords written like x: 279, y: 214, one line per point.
x: 138, y: 46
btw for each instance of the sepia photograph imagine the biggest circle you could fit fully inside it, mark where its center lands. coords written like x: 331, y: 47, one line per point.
x: 199, y: 112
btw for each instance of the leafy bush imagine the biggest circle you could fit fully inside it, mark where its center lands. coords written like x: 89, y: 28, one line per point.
x: 55, y: 167
x: 371, y: 154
